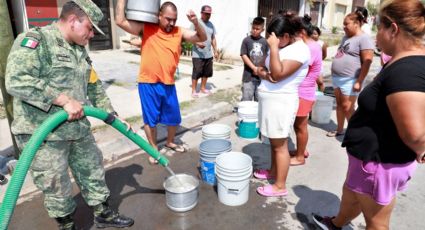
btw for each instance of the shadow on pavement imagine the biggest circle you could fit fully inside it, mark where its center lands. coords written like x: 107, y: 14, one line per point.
x: 314, y: 201
x: 260, y: 154
x: 327, y: 127
x: 117, y: 179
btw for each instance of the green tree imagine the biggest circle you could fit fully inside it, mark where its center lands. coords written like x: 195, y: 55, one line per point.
x: 372, y: 8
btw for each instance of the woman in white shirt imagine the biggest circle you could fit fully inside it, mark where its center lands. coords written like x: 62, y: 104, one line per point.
x: 366, y: 28
x: 286, y: 67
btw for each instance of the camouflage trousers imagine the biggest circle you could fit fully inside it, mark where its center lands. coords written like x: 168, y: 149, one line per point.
x: 49, y: 171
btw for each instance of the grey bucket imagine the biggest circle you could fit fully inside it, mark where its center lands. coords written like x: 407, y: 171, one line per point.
x: 211, y: 148
x: 181, y: 199
x: 208, y: 151
x: 145, y: 11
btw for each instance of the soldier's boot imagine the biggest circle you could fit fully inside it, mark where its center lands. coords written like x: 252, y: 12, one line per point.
x: 65, y: 223
x: 105, y: 217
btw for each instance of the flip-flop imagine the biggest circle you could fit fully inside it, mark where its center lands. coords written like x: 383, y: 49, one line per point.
x: 152, y: 161
x: 267, y: 191
x: 176, y: 148
x: 195, y: 95
x: 334, y: 133
x: 207, y: 92
x: 263, y: 174
x: 297, y: 164
x: 306, y: 154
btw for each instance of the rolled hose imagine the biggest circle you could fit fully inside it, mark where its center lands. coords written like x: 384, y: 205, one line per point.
x: 25, y: 160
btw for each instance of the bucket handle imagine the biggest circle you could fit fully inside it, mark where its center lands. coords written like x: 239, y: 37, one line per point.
x: 235, y: 190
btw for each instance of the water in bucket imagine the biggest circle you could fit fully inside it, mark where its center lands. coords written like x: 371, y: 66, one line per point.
x: 322, y: 109
x: 233, y: 171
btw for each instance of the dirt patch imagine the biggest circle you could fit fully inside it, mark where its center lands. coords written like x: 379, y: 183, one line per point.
x: 231, y: 96
x: 2, y: 112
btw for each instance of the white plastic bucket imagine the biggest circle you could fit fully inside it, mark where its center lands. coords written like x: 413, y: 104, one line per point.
x: 248, y: 113
x: 216, y: 131
x: 233, y: 171
x: 247, y: 104
x: 322, y: 109
x: 145, y: 11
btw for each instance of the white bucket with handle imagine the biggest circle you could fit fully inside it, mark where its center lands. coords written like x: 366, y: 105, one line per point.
x: 233, y: 172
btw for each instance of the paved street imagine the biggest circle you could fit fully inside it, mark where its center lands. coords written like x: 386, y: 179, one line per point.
x: 137, y: 189
x: 136, y: 186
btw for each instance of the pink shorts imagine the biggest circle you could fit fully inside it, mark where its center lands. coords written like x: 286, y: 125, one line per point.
x: 379, y: 180
x: 304, y: 107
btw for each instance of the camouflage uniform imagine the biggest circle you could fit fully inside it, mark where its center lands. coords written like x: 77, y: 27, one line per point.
x: 41, y: 65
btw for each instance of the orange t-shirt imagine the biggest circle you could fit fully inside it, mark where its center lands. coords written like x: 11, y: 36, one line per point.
x: 160, y: 53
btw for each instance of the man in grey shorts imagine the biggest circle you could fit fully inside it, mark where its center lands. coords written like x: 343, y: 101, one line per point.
x: 202, y: 55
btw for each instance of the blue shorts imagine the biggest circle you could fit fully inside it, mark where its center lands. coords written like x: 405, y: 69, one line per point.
x: 345, y: 84
x: 159, y: 104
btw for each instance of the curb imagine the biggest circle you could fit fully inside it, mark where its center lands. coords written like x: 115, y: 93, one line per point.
x: 114, y: 150
x: 120, y: 148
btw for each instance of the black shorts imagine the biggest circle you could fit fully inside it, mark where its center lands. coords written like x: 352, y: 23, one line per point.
x: 202, y: 67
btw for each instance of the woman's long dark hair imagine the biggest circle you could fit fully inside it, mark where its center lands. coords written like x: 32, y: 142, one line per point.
x: 285, y: 24
x: 306, y: 24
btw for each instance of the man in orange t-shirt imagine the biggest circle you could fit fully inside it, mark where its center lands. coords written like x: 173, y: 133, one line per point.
x: 160, y: 53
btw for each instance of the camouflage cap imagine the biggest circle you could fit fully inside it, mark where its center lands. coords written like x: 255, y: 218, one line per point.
x: 93, y: 12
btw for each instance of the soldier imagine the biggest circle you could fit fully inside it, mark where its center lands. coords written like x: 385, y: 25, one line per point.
x: 49, y: 69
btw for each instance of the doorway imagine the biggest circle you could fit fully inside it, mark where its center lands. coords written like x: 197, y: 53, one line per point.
x: 99, y: 41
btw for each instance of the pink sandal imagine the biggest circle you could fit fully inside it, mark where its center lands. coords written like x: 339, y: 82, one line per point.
x: 263, y: 174
x: 267, y: 191
x: 206, y: 91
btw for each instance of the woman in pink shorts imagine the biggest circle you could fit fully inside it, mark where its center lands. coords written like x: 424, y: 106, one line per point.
x: 306, y: 92
x: 386, y: 134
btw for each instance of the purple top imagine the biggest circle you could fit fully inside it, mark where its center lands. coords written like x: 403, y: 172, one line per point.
x: 307, y: 88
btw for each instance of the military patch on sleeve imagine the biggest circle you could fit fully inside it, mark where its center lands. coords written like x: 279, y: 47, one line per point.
x: 63, y: 57
x: 30, y: 42
x: 33, y: 35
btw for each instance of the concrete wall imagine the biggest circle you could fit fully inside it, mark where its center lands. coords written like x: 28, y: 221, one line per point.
x: 231, y: 19
x: 334, y: 13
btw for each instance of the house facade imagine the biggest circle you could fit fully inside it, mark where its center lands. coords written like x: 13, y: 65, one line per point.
x: 231, y: 18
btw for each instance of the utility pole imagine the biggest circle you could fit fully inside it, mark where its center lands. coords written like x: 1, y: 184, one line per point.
x: 6, y: 42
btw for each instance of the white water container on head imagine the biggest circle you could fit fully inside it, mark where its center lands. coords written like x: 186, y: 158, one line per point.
x: 144, y: 11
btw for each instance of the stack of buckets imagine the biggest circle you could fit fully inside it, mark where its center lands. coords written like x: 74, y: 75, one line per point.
x: 216, y: 131
x: 216, y: 140
x: 248, y: 119
x: 233, y: 171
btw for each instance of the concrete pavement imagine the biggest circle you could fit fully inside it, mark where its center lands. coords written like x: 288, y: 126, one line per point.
x: 136, y: 188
